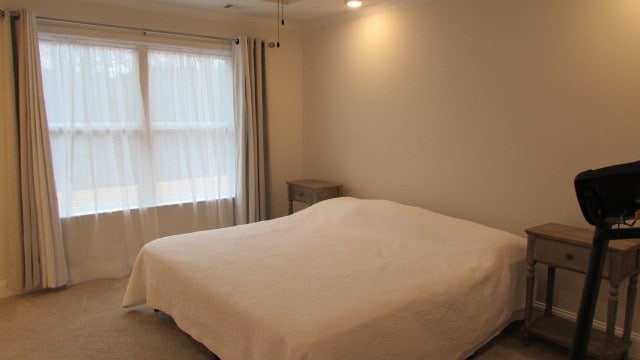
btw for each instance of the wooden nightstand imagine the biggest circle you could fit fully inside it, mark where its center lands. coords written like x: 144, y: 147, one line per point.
x: 311, y: 191
x: 569, y: 248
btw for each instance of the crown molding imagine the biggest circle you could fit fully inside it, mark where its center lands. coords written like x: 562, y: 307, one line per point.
x: 196, y: 12
x: 259, y: 21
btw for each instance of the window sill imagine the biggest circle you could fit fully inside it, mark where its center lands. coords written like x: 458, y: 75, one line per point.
x: 137, y: 210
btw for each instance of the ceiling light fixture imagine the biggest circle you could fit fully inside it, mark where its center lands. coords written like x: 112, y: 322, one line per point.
x: 353, y: 3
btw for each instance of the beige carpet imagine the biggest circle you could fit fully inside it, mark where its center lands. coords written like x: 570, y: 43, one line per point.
x: 86, y: 322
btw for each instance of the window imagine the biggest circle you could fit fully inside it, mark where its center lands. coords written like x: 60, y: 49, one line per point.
x: 136, y: 125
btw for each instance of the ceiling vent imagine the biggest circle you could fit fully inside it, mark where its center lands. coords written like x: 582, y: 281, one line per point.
x: 236, y: 7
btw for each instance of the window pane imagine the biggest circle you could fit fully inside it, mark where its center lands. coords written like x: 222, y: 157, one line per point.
x: 95, y: 115
x: 192, y: 124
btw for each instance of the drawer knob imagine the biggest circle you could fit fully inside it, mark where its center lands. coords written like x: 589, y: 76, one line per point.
x: 569, y: 256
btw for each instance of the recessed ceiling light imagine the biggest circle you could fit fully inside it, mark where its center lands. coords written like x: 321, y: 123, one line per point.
x: 353, y: 3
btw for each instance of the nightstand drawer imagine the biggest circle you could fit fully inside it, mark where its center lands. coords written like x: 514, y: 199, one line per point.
x: 301, y: 194
x: 564, y: 255
x: 311, y: 191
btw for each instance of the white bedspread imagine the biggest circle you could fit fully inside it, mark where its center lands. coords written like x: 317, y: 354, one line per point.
x: 343, y: 279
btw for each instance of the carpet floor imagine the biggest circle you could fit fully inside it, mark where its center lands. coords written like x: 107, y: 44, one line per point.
x: 86, y: 321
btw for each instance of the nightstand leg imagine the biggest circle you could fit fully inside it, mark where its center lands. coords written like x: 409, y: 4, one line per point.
x: 551, y: 281
x: 528, y: 307
x: 631, y: 303
x: 612, y: 310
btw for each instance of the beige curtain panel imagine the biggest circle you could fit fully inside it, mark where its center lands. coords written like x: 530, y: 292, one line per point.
x: 9, y: 186
x: 39, y: 257
x: 251, y: 206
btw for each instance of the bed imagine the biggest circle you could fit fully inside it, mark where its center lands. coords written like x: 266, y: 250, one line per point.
x: 343, y: 279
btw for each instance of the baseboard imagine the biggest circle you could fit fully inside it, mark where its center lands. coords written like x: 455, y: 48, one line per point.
x: 4, y: 292
x: 634, y: 351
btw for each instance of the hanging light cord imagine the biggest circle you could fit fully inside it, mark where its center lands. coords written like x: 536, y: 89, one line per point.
x: 280, y: 19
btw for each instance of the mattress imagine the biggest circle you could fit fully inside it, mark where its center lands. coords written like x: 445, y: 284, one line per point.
x: 343, y: 279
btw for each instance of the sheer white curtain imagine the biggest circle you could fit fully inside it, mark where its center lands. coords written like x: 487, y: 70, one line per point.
x: 95, y: 114
x: 125, y: 175
x: 192, y: 122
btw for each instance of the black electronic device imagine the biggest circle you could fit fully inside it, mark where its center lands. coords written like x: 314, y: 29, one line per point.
x: 608, y: 196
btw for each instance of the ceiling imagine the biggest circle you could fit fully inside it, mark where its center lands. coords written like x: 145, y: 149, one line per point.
x: 300, y: 13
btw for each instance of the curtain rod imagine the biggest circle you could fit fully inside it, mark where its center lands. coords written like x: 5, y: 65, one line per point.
x: 130, y: 28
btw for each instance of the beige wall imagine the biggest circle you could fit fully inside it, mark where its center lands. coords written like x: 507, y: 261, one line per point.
x: 484, y: 110
x: 284, y: 85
